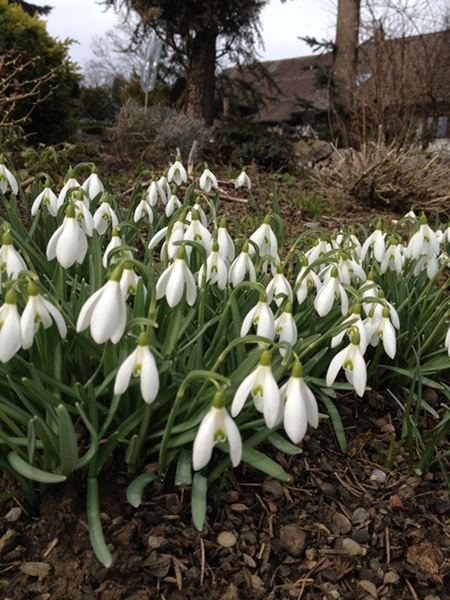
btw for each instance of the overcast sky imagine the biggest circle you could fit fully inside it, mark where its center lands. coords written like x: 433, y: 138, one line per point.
x: 282, y: 24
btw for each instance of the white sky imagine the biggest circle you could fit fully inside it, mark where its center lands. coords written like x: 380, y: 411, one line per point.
x: 282, y: 24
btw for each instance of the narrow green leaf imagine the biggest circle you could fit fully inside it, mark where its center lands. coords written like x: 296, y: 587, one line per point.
x: 95, y: 525
x: 31, y: 439
x: 336, y: 420
x: 263, y: 463
x: 183, y: 475
x: 198, y: 500
x: 136, y: 487
x: 33, y: 473
x: 284, y: 445
x: 68, y: 448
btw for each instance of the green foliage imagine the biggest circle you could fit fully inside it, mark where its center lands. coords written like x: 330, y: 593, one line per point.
x: 97, y: 104
x: 53, y: 117
x: 242, y: 142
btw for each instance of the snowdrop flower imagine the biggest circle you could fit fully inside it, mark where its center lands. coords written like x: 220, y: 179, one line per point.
x: 48, y: 198
x: 352, y: 361
x: 201, y: 213
x: 172, y: 205
x: 381, y: 304
x: 376, y: 243
x: 68, y: 244
x: 143, y: 209
x: 424, y: 241
x: 285, y: 328
x: 265, y: 240
x: 177, y: 173
x: 140, y: 363
x: 262, y: 386
x: 441, y: 236
x: 279, y: 289
x: 175, y: 280
x: 10, y: 333
x: 105, y: 312
x: 394, y: 258
x: 349, y: 269
x: 386, y: 332
x: 10, y: 259
x: 331, y: 291
x: 116, y: 242
x: 84, y: 216
x: 300, y: 405
x: 216, y: 426
x: 352, y: 324
x: 321, y: 248
x: 129, y: 280
x: 243, y: 180
x: 241, y: 266
x: 447, y: 341
x: 165, y: 185
x: 155, y: 192
x: 216, y: 269
x: 7, y: 179
x: 261, y: 317
x: 305, y: 281
x: 196, y: 232
x: 226, y: 245
x: 70, y: 185
x: 429, y: 263
x: 38, y: 310
x: 104, y: 216
x: 208, y: 180
x: 93, y: 185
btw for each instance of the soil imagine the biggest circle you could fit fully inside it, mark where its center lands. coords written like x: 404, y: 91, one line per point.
x: 344, y: 527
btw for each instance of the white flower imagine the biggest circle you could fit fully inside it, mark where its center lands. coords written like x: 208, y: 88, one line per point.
x: 10, y: 259
x: 305, y: 281
x: 154, y: 192
x: 285, y: 328
x: 38, y: 310
x: 84, y: 217
x: 143, y: 209
x: 165, y: 186
x: 447, y: 341
x: 352, y: 361
x: 216, y: 426
x: 208, y: 180
x: 201, y: 212
x: 172, y: 205
x: 241, y: 266
x: 128, y: 281
x: 10, y: 333
x: 329, y: 293
x: 48, y: 198
x: 351, y: 324
x: 93, y: 185
x: 116, y: 242
x: 105, y: 312
x: 140, y: 363
x: 348, y: 269
x: 243, y: 180
x: 279, y: 289
x: 226, y: 245
x: 216, y: 269
x: 394, y: 258
x: 379, y: 307
x: 177, y: 173
x: 70, y: 185
x: 386, y: 332
x: 424, y: 241
x: 265, y: 240
x: 261, y: 317
x: 375, y: 242
x: 428, y: 262
x: 104, y: 217
x: 68, y: 244
x: 7, y: 179
x: 300, y: 406
x: 196, y: 232
x: 321, y: 248
x: 262, y: 386
x: 175, y: 280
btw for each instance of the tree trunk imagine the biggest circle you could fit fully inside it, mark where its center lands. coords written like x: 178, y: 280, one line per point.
x: 346, y: 54
x: 201, y: 76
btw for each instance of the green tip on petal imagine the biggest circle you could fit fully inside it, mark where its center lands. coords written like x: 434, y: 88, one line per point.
x: 423, y: 220
x: 116, y: 275
x: 223, y: 222
x: 32, y: 289
x: 267, y: 219
x: 70, y: 211
x: 385, y: 312
x: 371, y: 276
x: 356, y: 309
x: 297, y: 369
x: 195, y: 215
x: 181, y: 253
x: 380, y: 294
x: 218, y: 400
x: 215, y: 247
x: 379, y: 225
x: 2, y: 159
x: 265, y: 359
x: 304, y: 261
x: 94, y: 170
x: 288, y: 308
x: 245, y: 247
x: 11, y: 297
x: 47, y: 183
x: 334, y: 272
x: 70, y: 173
x: 356, y: 338
x: 115, y: 233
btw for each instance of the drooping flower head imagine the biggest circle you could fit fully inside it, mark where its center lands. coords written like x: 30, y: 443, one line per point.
x: 140, y: 363
x: 68, y: 244
x: 208, y: 180
x: 177, y: 173
x: 352, y: 361
x: 176, y: 280
x: 39, y: 310
x: 93, y: 185
x: 48, y: 198
x: 243, y: 180
x: 10, y: 333
x: 10, y: 259
x: 300, y: 405
x: 7, y: 179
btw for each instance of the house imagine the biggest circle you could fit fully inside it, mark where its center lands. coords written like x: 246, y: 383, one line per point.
x: 402, y: 85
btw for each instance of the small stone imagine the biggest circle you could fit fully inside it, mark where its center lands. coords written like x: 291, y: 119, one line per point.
x: 340, y: 524
x: 378, y: 476
x: 368, y: 587
x: 248, y: 561
x: 360, y: 515
x: 272, y: 489
x: 362, y: 536
x: 238, y: 507
x: 13, y: 515
x: 230, y: 497
x: 391, y: 577
x: 155, y: 542
x: 9, y: 541
x: 35, y: 569
x: 353, y: 548
x: 293, y: 539
x: 395, y: 503
x: 226, y: 539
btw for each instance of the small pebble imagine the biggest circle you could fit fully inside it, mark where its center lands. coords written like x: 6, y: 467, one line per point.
x: 360, y: 515
x: 353, y: 548
x: 226, y: 539
x: 378, y: 476
x: 13, y: 515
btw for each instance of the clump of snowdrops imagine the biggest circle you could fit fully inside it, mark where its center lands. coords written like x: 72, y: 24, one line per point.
x: 154, y: 330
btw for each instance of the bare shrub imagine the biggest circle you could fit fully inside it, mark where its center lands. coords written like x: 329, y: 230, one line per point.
x: 155, y: 133
x: 388, y: 177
